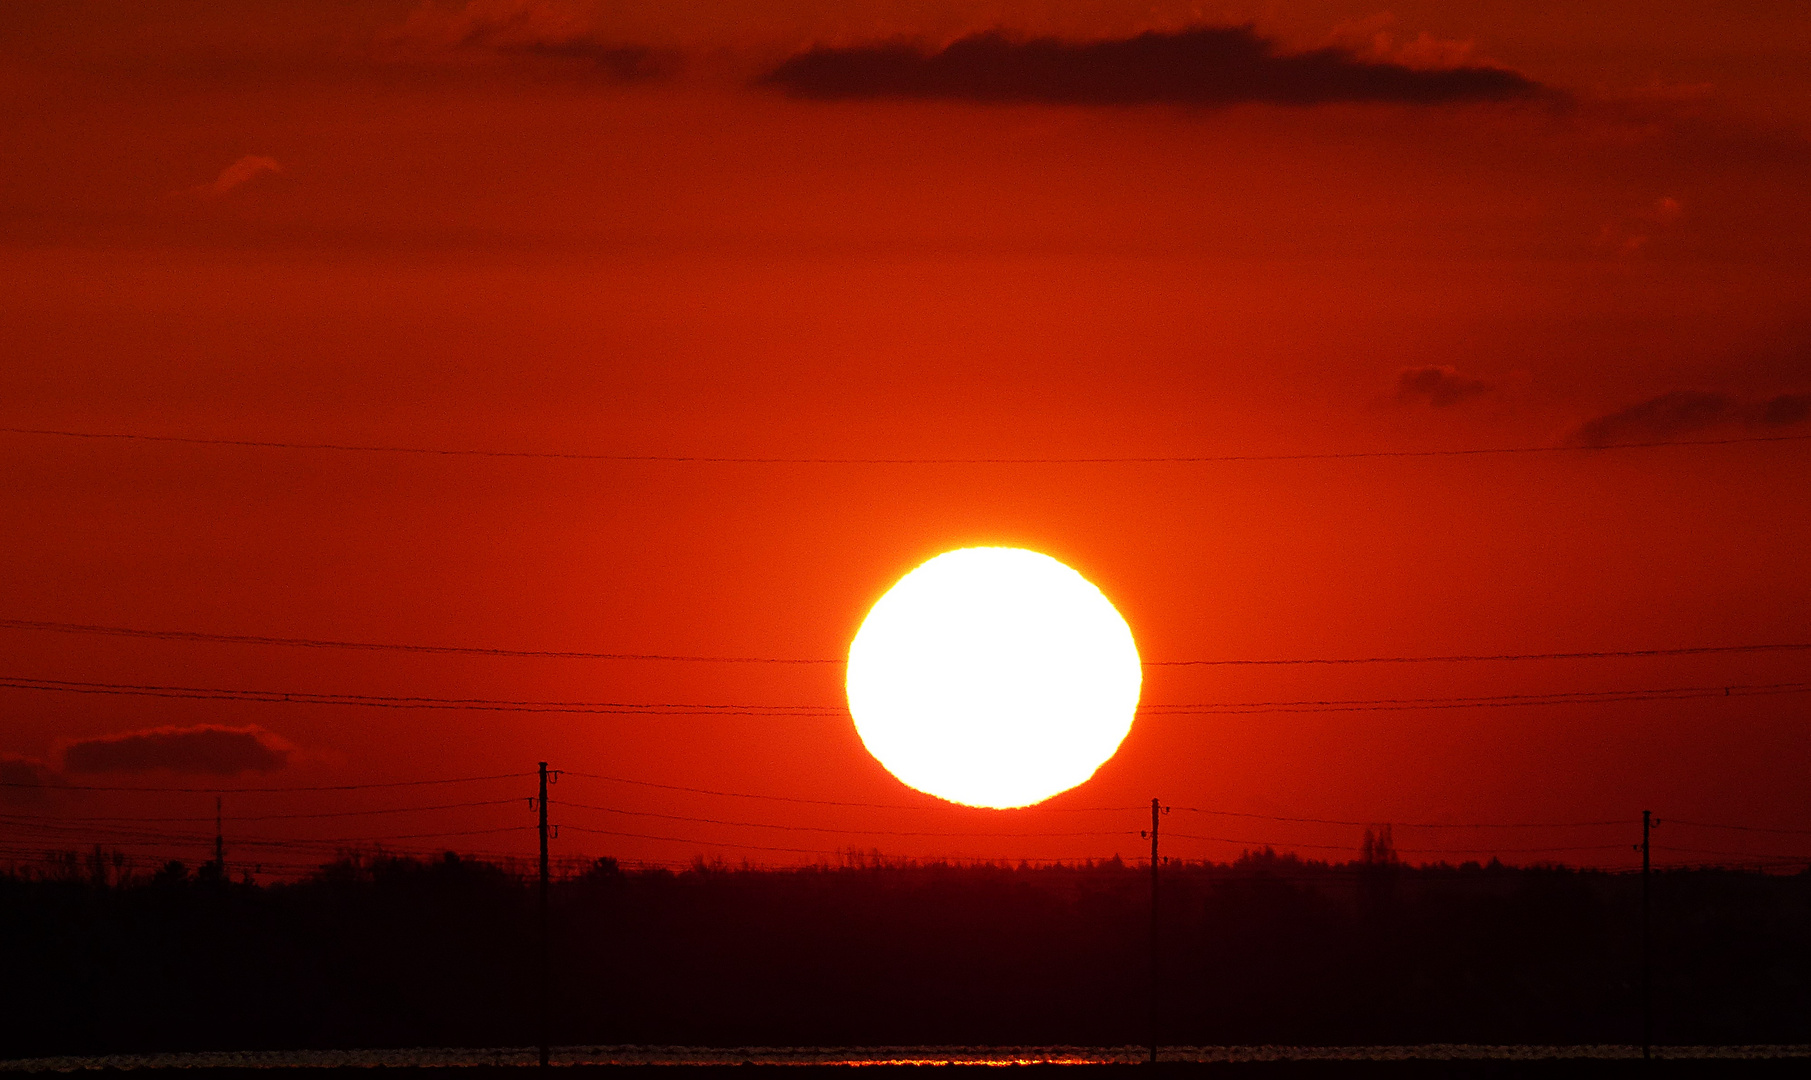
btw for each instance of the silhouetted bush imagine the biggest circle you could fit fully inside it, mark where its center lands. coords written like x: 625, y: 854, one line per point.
x: 382, y: 951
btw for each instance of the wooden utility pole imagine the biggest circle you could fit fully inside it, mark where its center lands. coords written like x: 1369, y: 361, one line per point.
x: 1156, y: 810
x: 219, y: 841
x: 1647, y: 959
x: 541, y: 973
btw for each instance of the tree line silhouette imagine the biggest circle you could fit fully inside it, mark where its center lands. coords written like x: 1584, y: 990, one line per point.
x: 374, y: 950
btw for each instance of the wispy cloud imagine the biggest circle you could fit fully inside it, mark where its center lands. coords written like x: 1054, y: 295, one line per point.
x: 244, y: 171
x: 1440, y: 385
x: 1203, y: 66
x: 1375, y: 37
x: 206, y: 749
x: 523, y: 29
x: 1784, y: 410
x: 1686, y: 412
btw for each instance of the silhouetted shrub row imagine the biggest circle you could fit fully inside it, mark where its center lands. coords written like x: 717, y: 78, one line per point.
x: 382, y: 951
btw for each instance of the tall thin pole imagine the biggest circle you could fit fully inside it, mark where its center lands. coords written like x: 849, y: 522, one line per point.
x: 1647, y: 960
x: 219, y: 841
x: 1155, y: 811
x: 541, y: 974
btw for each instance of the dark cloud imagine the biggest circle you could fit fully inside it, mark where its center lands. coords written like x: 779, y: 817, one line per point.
x: 1202, y: 66
x: 1684, y: 412
x: 24, y: 781
x: 1440, y: 385
x: 207, y: 749
x: 1784, y: 410
x: 1678, y: 412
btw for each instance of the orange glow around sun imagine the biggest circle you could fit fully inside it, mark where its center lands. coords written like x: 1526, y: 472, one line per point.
x: 993, y: 677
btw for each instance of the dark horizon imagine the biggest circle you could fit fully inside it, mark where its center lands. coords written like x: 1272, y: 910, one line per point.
x: 381, y: 951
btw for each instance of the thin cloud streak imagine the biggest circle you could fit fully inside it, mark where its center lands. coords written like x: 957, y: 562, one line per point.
x: 523, y: 29
x: 1440, y: 385
x: 1684, y: 412
x: 247, y: 169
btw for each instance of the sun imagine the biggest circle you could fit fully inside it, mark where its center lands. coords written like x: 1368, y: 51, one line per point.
x: 993, y: 677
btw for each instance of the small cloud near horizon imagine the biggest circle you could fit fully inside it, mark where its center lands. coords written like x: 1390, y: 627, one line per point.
x: 246, y: 170
x: 1203, y: 66
x: 1440, y: 385
x: 1686, y: 412
x: 25, y: 781
x: 204, y: 749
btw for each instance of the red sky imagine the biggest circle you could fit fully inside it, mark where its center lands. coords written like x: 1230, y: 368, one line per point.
x: 607, y: 229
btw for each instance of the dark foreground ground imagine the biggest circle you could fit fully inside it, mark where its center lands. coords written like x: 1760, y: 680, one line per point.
x: 1264, y: 1070
x: 383, y: 952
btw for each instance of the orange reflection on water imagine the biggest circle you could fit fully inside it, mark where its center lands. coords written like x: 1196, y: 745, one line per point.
x: 976, y: 1061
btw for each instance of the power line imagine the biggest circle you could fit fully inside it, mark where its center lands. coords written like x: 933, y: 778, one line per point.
x: 276, y: 858
x: 741, y: 794
x: 121, y: 836
x: 1411, y: 824
x: 125, y: 836
x: 152, y: 837
x: 121, y: 824
x: 573, y: 654
x: 614, y: 708
x: 1735, y: 864
x: 938, y: 804
x: 113, y: 833
x: 1111, y: 832
x: 136, y: 838
x: 844, y: 832
x: 321, y: 643
x: 68, y: 823
x: 706, y: 843
x: 297, y: 817
x: 756, y: 847
x: 1602, y: 823
x: 1739, y: 828
x: 59, y: 786
x: 697, y: 459
x: 1559, y: 697
x: 1456, y: 658
x: 1090, y: 809
x: 1407, y: 851
x: 1735, y: 854
x: 302, y: 697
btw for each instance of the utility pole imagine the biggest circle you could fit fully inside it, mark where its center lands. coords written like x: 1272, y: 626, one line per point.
x: 541, y: 975
x: 1647, y: 959
x: 219, y: 841
x: 1156, y: 810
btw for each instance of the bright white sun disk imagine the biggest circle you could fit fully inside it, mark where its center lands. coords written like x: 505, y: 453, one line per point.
x: 993, y: 677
